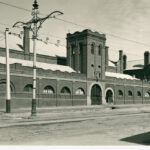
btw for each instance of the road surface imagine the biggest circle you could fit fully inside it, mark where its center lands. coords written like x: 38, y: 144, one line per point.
x: 95, y: 128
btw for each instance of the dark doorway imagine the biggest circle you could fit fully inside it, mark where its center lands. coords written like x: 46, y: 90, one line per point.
x: 109, y: 96
x: 96, y: 95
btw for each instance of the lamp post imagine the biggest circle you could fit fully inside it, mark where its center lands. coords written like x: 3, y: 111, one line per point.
x: 34, y: 25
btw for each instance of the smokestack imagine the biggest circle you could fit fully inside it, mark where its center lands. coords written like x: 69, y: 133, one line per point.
x: 106, y: 56
x: 124, y: 62
x: 146, y: 58
x: 121, y: 60
x: 120, y: 54
x: 26, y: 40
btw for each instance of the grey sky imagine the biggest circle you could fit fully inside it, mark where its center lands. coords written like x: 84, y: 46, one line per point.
x: 126, y: 18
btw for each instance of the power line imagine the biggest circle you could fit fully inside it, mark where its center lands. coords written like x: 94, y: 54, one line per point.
x: 52, y: 35
x: 131, y: 54
x: 15, y: 6
x: 4, y: 24
x: 70, y: 22
x: 39, y: 32
x: 66, y: 21
x: 116, y: 36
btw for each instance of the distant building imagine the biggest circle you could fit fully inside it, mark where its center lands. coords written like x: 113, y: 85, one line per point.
x: 140, y: 68
x: 80, y: 75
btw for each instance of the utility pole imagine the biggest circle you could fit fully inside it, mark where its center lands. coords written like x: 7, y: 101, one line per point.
x: 34, y: 25
x: 8, y: 96
x: 35, y: 12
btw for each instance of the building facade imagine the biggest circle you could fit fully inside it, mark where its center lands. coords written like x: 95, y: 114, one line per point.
x: 81, y: 75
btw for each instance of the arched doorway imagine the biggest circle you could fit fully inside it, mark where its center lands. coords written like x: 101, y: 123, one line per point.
x: 109, y: 96
x: 96, y: 95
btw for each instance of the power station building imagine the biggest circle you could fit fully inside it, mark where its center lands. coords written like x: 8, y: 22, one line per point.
x: 80, y: 74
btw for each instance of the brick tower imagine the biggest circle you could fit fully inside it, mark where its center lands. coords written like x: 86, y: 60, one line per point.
x: 86, y: 53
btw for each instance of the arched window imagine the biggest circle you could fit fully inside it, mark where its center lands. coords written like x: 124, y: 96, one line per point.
x: 28, y: 88
x: 3, y: 88
x: 48, y: 90
x: 120, y: 93
x: 65, y: 90
x: 130, y: 93
x: 139, y: 94
x: 80, y: 91
x: 99, y: 50
x: 147, y: 94
x: 92, y: 48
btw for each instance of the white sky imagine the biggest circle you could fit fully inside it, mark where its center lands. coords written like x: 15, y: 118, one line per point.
x: 129, y: 19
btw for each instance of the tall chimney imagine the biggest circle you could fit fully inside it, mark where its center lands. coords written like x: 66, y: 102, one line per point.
x: 120, y: 54
x: 146, y: 58
x: 121, y: 60
x: 26, y: 40
x: 106, y: 56
x: 124, y: 62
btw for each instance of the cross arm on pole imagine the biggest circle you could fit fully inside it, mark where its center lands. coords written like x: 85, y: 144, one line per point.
x: 51, y: 15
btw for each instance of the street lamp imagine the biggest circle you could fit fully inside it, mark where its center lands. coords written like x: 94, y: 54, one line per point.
x: 34, y: 25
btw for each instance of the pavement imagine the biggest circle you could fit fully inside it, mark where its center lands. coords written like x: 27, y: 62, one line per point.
x: 53, y: 115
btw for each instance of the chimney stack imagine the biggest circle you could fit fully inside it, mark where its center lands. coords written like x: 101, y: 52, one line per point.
x: 121, y: 60
x: 146, y: 58
x: 124, y: 62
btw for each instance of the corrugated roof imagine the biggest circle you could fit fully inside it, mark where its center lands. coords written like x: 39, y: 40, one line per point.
x: 13, y: 42
x: 42, y: 48
x: 135, y: 64
x: 120, y: 76
x: 45, y: 66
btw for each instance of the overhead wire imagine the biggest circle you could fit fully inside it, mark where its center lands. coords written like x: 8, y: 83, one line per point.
x: 76, y: 24
x: 113, y: 35
x: 15, y: 6
x: 131, y: 54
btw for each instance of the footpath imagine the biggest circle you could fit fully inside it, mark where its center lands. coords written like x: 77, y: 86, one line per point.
x: 53, y: 115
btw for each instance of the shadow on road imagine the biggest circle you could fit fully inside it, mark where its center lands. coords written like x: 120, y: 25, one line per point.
x: 143, y: 139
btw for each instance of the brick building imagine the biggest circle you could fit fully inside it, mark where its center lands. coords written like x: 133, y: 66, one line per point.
x: 81, y: 74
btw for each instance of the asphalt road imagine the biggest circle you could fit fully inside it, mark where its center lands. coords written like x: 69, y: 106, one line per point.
x: 114, y: 128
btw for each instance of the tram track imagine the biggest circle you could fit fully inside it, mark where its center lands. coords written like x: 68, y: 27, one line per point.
x: 69, y: 119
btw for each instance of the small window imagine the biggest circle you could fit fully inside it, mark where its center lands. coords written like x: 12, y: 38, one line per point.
x: 130, y: 93
x: 80, y: 91
x: 28, y: 88
x: 139, y: 94
x: 92, y: 65
x: 99, y: 66
x: 99, y: 50
x: 92, y: 48
x: 65, y: 90
x: 48, y: 90
x: 120, y: 93
x: 99, y: 75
